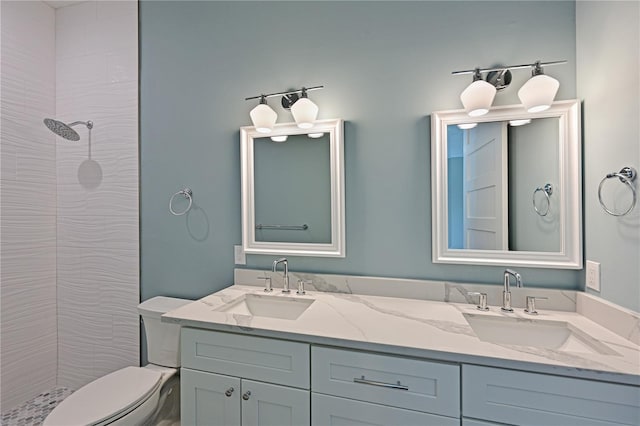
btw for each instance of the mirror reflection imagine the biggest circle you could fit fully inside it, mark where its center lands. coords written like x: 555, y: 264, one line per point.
x: 497, y: 173
x: 506, y: 187
x: 293, y: 189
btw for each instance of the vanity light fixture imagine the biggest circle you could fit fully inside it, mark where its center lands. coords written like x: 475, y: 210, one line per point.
x: 281, y: 138
x: 516, y: 123
x: 536, y: 95
x: 315, y: 135
x: 467, y: 126
x: 478, y: 96
x: 263, y: 117
x: 303, y: 109
x: 538, y: 92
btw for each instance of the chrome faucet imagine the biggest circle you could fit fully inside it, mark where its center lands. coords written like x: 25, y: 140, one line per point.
x: 506, y: 293
x: 285, y: 278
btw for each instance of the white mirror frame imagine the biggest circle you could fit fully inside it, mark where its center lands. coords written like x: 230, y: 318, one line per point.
x: 570, y: 254
x: 336, y: 248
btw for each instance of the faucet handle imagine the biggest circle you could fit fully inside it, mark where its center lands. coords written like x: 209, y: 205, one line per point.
x: 267, y: 284
x: 482, y: 300
x: 531, y: 304
x: 301, y: 284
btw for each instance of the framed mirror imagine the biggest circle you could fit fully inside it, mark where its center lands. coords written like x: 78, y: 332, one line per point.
x: 507, y: 187
x: 293, y: 190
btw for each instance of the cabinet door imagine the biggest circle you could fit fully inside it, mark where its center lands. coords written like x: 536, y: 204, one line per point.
x: 334, y: 411
x: 209, y: 399
x: 272, y: 405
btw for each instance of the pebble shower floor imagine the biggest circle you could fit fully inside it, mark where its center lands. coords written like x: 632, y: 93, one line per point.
x: 34, y: 411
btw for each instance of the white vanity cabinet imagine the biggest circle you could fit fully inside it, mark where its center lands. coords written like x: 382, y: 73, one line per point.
x: 235, y: 379
x: 523, y: 398
x: 231, y: 379
x: 352, y: 387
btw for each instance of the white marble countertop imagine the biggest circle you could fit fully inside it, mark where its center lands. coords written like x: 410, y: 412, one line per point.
x: 418, y: 328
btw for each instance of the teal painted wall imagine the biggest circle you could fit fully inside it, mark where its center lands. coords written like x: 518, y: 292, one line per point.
x: 611, y: 137
x: 385, y: 66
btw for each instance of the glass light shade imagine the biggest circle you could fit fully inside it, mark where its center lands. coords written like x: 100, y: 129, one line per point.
x: 538, y: 93
x: 304, y: 112
x: 281, y: 138
x: 478, y: 97
x: 315, y: 135
x: 515, y: 123
x: 466, y: 126
x: 263, y: 118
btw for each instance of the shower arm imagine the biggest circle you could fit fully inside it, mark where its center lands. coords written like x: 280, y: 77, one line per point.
x: 88, y: 123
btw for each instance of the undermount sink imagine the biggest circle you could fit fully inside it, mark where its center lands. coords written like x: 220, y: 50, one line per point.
x: 557, y: 335
x: 258, y: 305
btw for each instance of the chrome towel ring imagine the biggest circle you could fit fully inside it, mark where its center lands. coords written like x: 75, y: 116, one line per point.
x: 627, y: 175
x: 547, y: 190
x: 186, y: 193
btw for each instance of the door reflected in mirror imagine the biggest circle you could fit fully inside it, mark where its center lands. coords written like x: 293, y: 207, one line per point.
x: 495, y: 170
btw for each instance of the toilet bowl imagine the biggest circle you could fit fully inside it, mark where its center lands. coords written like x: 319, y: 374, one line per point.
x: 131, y: 395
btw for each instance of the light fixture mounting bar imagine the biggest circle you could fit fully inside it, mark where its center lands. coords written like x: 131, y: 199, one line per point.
x: 510, y: 67
x: 289, y: 92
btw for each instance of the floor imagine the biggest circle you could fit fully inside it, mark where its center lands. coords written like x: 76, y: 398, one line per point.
x: 34, y: 411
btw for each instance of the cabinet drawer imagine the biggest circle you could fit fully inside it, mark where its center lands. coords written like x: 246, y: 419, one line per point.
x: 267, y: 360
x: 334, y: 411
x: 405, y: 383
x: 521, y: 398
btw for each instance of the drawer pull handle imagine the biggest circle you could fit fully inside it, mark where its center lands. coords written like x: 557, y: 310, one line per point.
x: 246, y: 395
x: 229, y: 392
x: 364, y: 381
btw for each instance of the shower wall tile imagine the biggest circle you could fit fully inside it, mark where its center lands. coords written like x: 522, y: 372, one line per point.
x: 81, y: 72
x: 89, y: 200
x: 28, y: 199
x: 97, y: 190
x: 96, y: 232
x: 28, y: 332
x: 40, y: 296
x: 24, y: 233
x: 121, y: 67
x: 71, y: 29
x: 79, y: 265
x: 29, y: 27
x: 96, y: 312
x: 107, y: 10
x: 22, y: 270
x: 8, y: 161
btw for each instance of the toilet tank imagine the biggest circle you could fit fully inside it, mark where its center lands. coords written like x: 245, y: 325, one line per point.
x: 163, y: 339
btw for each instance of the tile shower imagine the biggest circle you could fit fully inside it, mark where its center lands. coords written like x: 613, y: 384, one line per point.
x: 69, y: 263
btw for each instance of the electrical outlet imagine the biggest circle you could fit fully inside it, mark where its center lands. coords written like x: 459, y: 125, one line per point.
x: 239, y: 256
x: 593, y: 275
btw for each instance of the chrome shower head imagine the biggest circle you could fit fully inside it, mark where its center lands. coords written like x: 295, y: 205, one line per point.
x: 64, y: 130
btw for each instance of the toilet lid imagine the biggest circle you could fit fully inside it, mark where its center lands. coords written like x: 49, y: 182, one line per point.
x: 106, y: 397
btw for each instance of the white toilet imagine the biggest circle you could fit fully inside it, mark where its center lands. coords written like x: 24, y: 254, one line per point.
x: 132, y: 395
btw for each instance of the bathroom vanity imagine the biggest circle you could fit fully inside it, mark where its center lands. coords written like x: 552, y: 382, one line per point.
x: 250, y: 357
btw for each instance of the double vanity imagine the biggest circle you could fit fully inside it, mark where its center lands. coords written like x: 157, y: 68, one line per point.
x: 344, y: 350
x: 362, y: 350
